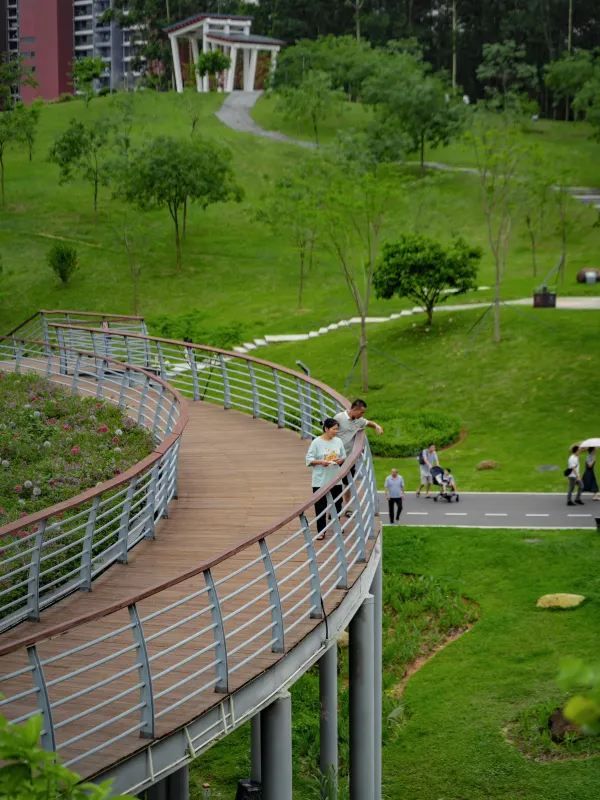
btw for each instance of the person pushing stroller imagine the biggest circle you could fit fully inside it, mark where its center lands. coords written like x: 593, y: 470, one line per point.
x: 444, y: 479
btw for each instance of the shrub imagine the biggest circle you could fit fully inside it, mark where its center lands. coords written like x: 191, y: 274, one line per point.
x: 65, y: 97
x: 192, y: 326
x: 408, y: 432
x: 63, y: 260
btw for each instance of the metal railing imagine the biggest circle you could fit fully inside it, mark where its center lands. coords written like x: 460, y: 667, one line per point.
x: 153, y: 662
x: 50, y: 553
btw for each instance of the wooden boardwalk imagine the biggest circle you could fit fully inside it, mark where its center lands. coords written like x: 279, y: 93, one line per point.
x: 238, y: 477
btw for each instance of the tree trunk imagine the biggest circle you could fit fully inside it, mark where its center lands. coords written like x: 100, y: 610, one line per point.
x: 184, y: 218
x: 177, y: 242
x: 315, y: 129
x: 497, y: 336
x: 533, y: 244
x: 96, y: 194
x: 454, y: 41
x: 364, y: 362
x: 429, y: 312
x: 422, y: 150
x: 2, y: 178
x: 301, y: 276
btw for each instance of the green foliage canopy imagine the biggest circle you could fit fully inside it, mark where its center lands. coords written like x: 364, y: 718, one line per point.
x: 422, y: 270
x: 85, y: 72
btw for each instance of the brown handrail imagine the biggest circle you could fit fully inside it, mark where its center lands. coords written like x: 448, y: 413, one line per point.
x: 85, y: 314
x: 63, y: 627
x: 124, y: 477
x: 350, y: 462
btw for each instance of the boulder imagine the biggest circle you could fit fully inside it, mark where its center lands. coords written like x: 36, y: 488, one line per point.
x: 489, y: 464
x: 560, y: 600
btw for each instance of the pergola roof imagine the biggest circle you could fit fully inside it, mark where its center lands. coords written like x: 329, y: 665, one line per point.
x: 242, y: 38
x: 197, y: 18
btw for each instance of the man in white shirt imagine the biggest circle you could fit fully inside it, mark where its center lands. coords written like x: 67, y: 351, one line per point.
x: 351, y: 422
x: 572, y: 473
x: 394, y: 491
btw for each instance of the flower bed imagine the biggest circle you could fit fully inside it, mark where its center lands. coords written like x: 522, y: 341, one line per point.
x: 54, y: 445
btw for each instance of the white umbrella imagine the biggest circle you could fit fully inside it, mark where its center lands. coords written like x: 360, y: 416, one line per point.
x: 593, y: 442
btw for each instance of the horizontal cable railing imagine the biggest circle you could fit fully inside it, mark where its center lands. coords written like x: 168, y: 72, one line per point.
x: 151, y: 663
x: 47, y: 554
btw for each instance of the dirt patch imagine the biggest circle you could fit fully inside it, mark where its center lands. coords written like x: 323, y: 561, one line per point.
x: 398, y: 690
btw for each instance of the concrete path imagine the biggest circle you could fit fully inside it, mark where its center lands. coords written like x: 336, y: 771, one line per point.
x: 497, y: 510
x: 235, y: 113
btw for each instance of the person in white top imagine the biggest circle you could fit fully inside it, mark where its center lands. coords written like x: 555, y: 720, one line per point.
x: 394, y: 492
x: 325, y: 456
x: 572, y: 473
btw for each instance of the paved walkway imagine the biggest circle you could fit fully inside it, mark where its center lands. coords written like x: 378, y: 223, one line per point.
x: 531, y: 511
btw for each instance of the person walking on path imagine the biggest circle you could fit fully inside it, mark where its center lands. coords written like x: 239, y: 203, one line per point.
x: 325, y: 456
x: 394, y: 491
x: 572, y: 473
x: 427, y: 458
x: 590, y: 484
x: 351, y: 422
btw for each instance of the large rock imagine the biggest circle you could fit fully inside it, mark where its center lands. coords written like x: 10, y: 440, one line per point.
x: 560, y: 600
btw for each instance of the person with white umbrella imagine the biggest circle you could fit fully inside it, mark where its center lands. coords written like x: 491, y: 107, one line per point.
x: 590, y: 484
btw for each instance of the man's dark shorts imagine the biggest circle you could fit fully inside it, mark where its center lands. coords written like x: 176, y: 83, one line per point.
x: 345, y: 478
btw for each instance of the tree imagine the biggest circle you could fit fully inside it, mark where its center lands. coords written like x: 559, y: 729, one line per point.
x: 499, y: 155
x: 292, y: 207
x: 14, y: 74
x: 63, y: 261
x: 422, y: 270
x: 506, y: 74
x: 357, y: 193
x: 9, y: 135
x: 587, y: 101
x: 567, y: 76
x: 415, y: 102
x: 85, y: 72
x: 27, y: 119
x: 30, y: 773
x: 538, y: 191
x: 171, y: 173
x: 83, y: 149
x: 313, y: 100
x: 212, y: 63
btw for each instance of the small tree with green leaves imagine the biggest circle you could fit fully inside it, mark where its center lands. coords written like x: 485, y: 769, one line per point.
x: 9, y: 135
x: 583, y: 707
x: 423, y: 270
x: 506, y: 75
x: 85, y: 72
x: 567, y: 75
x: 63, y: 261
x: 14, y: 73
x: 212, y: 63
x: 30, y: 773
x: 84, y: 149
x: 313, y: 99
x: 27, y: 119
x: 172, y: 173
x: 292, y: 207
x: 537, y: 197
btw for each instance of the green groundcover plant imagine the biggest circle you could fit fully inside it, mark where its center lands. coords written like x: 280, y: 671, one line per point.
x: 30, y: 773
x: 53, y: 444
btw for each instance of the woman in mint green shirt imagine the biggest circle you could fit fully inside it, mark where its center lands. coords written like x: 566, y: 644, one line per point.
x: 325, y: 456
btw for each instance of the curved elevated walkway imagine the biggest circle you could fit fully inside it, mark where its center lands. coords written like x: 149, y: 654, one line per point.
x: 231, y: 601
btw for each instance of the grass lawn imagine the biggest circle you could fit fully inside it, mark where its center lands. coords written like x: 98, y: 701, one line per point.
x: 569, y: 145
x: 521, y: 403
x: 445, y: 738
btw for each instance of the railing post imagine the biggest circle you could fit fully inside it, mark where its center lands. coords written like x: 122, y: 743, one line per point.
x: 33, y: 583
x: 280, y: 403
x: 39, y: 681
x: 62, y: 358
x: 255, y: 397
x: 141, y: 415
x: 76, y: 374
x: 100, y: 378
x: 124, y: 385
x: 226, y: 386
x: 313, y: 566
x: 146, y: 693
x: 276, y: 613
x: 222, y: 684
x: 191, y: 356
x: 339, y: 543
x: 358, y: 518
x: 151, y: 503
x: 169, y: 427
x: 161, y: 362
x: 124, y: 521
x: 18, y: 355
x: 322, y: 410
x: 305, y: 428
x: 373, y: 485
x: 156, y: 421
x: 85, y: 575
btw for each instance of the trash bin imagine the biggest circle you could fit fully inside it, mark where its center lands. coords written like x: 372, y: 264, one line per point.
x: 544, y: 299
x: 248, y: 790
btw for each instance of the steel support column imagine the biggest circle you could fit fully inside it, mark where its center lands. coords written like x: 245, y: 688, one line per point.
x: 276, y: 749
x: 178, y: 784
x: 255, y: 767
x: 362, y: 713
x: 377, y: 592
x: 328, y: 696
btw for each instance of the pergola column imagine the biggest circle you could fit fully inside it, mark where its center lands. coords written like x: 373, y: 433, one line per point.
x: 252, y: 75
x: 231, y: 71
x: 246, y: 71
x: 195, y: 57
x: 176, y: 63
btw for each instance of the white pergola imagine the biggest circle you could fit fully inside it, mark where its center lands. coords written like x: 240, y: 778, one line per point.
x: 231, y: 34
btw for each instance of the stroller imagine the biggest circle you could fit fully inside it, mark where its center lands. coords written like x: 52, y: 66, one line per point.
x: 443, y: 478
